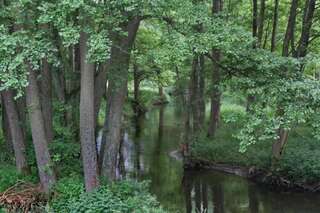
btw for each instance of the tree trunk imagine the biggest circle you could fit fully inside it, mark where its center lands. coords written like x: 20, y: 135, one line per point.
x: 215, y: 91
x: 255, y: 25
x: 46, y: 99
x: 6, y: 128
x: 261, y: 21
x: 254, y: 18
x: 289, y: 36
x: 136, y: 90
x: 16, y: 131
x: 44, y: 163
x: 117, y: 90
x: 278, y: 145
x: 87, y: 118
x: 274, y: 25
x: 306, y: 28
x: 197, y: 93
x: 100, y: 89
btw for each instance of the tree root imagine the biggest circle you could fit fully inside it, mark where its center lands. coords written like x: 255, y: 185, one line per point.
x: 22, y: 197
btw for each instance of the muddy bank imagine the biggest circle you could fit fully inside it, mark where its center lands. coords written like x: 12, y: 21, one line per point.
x: 261, y: 176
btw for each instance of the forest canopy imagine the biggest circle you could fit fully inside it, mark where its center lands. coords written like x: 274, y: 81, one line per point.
x: 73, y: 73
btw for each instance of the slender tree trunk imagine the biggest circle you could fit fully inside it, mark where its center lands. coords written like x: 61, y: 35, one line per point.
x: 136, y: 90
x: 100, y: 88
x: 197, y: 92
x: 306, y: 28
x: 6, y: 128
x: 278, y: 146
x: 22, y: 110
x: 274, y: 25
x: 255, y: 25
x: 254, y: 18
x: 117, y: 90
x: 215, y: 91
x: 261, y: 21
x: 46, y: 99
x: 87, y: 118
x: 266, y: 35
x: 16, y: 132
x: 289, y: 35
x: 44, y: 163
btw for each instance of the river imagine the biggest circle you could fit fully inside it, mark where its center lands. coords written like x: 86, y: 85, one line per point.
x: 146, y: 150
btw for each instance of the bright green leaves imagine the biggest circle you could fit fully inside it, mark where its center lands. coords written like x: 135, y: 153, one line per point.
x: 288, y: 104
x: 12, y: 73
x: 99, y: 47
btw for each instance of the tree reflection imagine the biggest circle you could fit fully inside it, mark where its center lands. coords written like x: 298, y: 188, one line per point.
x: 218, y: 198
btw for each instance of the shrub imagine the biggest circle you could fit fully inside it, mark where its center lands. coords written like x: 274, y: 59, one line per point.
x: 9, y: 176
x: 125, y: 196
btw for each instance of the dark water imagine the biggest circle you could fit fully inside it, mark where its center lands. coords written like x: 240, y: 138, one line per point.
x: 147, y: 150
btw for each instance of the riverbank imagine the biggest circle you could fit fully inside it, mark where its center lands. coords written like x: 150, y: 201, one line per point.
x: 23, y: 193
x: 260, y: 176
x: 298, y: 170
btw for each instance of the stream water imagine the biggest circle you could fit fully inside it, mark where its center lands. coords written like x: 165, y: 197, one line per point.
x: 146, y: 150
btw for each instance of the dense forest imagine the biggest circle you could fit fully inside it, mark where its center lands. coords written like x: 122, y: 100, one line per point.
x: 124, y: 105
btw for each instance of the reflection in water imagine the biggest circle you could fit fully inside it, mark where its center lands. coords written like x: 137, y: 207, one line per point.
x: 146, y: 149
x: 218, y: 200
x: 253, y: 199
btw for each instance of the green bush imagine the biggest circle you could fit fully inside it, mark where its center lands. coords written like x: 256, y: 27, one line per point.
x: 232, y: 113
x: 66, y: 157
x: 125, y: 196
x: 9, y: 176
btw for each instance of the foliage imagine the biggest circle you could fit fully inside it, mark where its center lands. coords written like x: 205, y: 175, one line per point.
x: 10, y: 176
x: 299, y: 162
x: 126, y: 196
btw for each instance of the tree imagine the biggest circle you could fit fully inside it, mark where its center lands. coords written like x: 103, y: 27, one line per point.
x: 117, y: 90
x: 39, y: 137
x: 87, y: 118
x: 16, y: 132
x: 217, y: 6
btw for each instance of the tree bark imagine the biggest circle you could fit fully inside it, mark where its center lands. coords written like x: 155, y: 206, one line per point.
x: 261, y: 21
x: 289, y: 36
x: 136, y: 90
x: 306, y: 28
x: 197, y: 93
x: 44, y: 163
x: 100, y: 88
x: 117, y: 90
x: 254, y: 18
x: 6, y: 128
x: 278, y: 146
x: 215, y: 80
x: 46, y: 99
x: 16, y: 132
x: 255, y: 25
x: 274, y: 25
x: 87, y: 118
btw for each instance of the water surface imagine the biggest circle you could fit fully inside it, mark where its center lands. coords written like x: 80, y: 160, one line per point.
x: 147, y: 149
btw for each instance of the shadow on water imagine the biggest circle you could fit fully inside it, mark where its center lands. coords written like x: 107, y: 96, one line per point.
x: 146, y: 152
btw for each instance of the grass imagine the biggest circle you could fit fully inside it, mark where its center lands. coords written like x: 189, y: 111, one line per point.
x: 300, y: 160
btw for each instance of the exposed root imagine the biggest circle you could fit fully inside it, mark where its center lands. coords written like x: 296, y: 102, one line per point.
x: 22, y: 197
